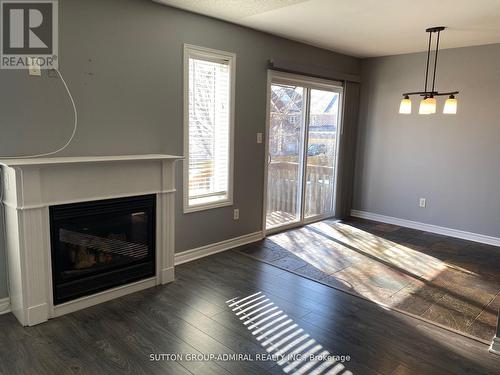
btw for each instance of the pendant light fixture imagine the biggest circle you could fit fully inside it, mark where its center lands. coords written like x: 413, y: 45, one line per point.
x: 450, y: 106
x: 428, y: 102
x: 405, y: 106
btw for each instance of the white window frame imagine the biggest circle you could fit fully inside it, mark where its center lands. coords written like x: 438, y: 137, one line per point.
x: 211, y: 55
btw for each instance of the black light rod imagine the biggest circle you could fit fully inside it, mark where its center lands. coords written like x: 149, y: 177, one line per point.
x: 427, y: 93
x: 428, y: 55
x: 435, y: 61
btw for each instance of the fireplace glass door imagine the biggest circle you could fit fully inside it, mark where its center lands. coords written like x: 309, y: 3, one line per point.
x: 102, y: 244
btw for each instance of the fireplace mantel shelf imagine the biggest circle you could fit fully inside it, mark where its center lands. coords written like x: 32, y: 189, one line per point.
x: 84, y: 159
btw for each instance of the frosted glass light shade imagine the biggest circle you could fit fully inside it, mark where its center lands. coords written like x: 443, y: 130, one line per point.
x: 427, y: 106
x: 450, y: 106
x: 405, y: 106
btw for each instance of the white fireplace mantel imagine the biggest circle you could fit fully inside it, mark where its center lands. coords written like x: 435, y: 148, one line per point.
x: 31, y: 186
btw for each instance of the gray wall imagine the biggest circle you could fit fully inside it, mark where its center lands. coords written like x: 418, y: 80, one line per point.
x: 123, y: 62
x: 453, y: 161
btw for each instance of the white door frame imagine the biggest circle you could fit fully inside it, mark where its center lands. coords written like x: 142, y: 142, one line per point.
x: 310, y: 83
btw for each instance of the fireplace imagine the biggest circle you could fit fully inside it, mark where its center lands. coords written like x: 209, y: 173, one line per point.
x: 101, y: 244
x: 83, y: 230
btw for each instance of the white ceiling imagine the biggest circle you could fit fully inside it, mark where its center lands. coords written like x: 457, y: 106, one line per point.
x: 361, y: 28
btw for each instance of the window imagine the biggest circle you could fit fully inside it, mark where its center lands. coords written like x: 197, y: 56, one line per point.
x: 208, y: 128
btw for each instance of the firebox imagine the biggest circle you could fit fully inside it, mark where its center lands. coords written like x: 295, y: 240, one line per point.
x: 101, y: 244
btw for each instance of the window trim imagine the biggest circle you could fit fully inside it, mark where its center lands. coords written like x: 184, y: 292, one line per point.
x: 211, y: 55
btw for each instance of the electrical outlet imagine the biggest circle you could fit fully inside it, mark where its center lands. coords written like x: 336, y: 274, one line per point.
x: 34, y: 68
x: 422, y: 202
x: 259, y: 137
x: 236, y: 214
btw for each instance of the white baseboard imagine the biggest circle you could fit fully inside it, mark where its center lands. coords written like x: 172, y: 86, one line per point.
x: 495, y: 346
x: 203, y: 251
x: 476, y: 237
x: 4, y: 305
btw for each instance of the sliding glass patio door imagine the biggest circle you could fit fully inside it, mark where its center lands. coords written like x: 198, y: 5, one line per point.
x: 321, y: 153
x: 304, y: 116
x: 285, y: 155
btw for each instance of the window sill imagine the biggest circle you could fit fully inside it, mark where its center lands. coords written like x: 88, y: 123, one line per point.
x: 207, y: 206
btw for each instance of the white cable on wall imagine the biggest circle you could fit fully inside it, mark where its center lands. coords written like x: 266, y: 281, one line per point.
x: 70, y: 139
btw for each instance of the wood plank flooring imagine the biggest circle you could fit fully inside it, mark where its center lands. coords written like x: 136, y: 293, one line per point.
x: 452, y: 282
x: 192, y: 316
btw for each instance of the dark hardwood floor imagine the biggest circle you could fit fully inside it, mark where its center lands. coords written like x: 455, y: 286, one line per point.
x: 198, y: 314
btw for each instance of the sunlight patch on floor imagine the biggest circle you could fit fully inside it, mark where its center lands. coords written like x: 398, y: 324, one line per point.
x: 361, y: 262
x: 294, y: 350
x: 412, y: 261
